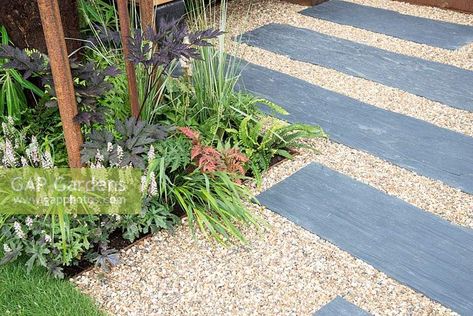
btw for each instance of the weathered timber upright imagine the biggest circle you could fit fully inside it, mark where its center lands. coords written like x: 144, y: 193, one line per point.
x: 147, y: 14
x: 122, y: 6
x: 57, y: 51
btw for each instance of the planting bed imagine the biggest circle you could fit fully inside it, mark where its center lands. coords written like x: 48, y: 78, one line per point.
x: 122, y: 245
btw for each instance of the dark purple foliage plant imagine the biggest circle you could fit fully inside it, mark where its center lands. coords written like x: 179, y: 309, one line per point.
x: 158, y: 50
x: 89, y: 81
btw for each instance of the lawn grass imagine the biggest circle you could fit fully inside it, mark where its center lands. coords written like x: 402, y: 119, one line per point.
x: 38, y: 294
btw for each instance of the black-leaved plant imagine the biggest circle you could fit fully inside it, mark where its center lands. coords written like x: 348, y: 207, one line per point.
x: 89, y: 82
x: 104, y: 36
x: 128, y: 148
x: 156, y: 50
x: 105, y: 259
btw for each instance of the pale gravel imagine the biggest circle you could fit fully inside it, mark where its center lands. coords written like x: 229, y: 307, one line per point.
x: 370, y: 92
x: 286, y: 270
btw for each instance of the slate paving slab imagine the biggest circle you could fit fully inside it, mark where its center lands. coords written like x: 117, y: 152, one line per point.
x: 435, y: 81
x: 340, y: 307
x: 410, y: 143
x: 410, y: 245
x: 407, y: 27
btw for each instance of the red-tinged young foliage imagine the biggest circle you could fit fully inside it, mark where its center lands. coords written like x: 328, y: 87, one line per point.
x: 234, y: 160
x: 208, y: 159
x: 190, y: 133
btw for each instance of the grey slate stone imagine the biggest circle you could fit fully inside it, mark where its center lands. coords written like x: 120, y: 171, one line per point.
x: 412, y: 246
x: 340, y: 307
x: 173, y: 10
x: 447, y: 84
x: 407, y: 27
x: 410, y: 143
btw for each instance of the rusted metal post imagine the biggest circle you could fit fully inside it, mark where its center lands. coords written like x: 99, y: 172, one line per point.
x: 147, y: 14
x: 62, y: 77
x: 122, y: 6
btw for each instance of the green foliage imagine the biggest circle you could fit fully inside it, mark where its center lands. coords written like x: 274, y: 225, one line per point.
x: 13, y: 86
x: 262, y: 140
x: 55, y: 241
x: 228, y: 138
x: 173, y: 154
x: 105, y: 259
x: 41, y: 239
x: 213, y: 81
x: 52, y: 241
x: 213, y: 203
x: 208, y: 103
x: 206, y: 97
x: 50, y: 135
x: 99, y: 13
x: 154, y: 217
x: 89, y: 80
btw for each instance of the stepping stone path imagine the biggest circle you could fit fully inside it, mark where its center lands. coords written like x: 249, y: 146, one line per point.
x: 406, y: 27
x: 447, y: 84
x: 414, y: 247
x: 405, y: 141
x: 340, y: 307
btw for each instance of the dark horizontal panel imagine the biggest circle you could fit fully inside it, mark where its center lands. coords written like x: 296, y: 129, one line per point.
x: 410, y: 143
x: 460, y: 5
x: 412, y: 246
x: 435, y: 81
x: 407, y: 27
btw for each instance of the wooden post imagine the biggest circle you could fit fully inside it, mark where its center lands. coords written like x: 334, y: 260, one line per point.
x: 147, y: 14
x: 62, y: 77
x: 122, y: 6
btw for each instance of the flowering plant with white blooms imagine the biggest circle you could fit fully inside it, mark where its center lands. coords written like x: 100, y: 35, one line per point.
x: 39, y: 237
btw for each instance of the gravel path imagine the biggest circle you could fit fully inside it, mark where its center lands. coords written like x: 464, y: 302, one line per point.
x: 266, y: 11
x: 286, y: 270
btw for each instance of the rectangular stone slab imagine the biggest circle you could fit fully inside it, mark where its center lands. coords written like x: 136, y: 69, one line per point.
x: 410, y: 245
x: 446, y: 84
x: 407, y: 27
x: 410, y: 143
x: 340, y: 307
